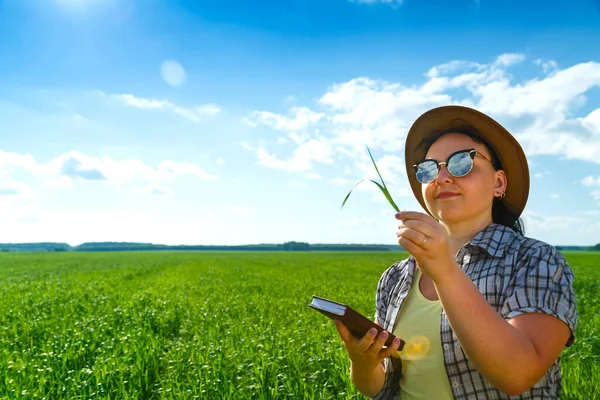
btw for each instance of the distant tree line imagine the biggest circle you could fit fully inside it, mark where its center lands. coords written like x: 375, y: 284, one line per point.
x: 595, y: 247
x: 42, y: 246
x: 134, y: 246
x: 287, y: 246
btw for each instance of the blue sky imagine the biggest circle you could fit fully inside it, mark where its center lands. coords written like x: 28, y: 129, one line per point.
x: 209, y: 122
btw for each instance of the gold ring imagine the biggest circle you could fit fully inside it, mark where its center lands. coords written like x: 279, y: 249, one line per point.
x: 424, y: 241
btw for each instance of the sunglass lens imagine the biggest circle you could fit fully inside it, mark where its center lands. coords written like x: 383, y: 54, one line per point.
x: 427, y: 171
x: 460, y: 164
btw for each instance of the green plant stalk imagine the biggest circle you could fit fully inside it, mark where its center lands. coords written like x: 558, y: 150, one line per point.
x: 381, y: 186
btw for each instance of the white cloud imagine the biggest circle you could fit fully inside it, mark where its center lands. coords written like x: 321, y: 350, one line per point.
x: 541, y: 110
x: 592, y: 121
x: 60, y: 182
x: 68, y: 168
x: 365, y: 111
x: 548, y: 99
x: 509, y: 59
x: 14, y: 209
x: 340, y: 181
x: 77, y: 166
x: 13, y: 188
x: 391, y: 168
x: 81, y: 167
x: 374, y: 113
x: 156, y: 190
x: 540, y: 175
x: 300, y: 118
x: 303, y: 158
x: 220, y: 161
x: 555, y: 196
x: 14, y: 160
x: 208, y: 109
x: 452, y: 66
x: 246, y: 145
x: 579, y: 227
x: 195, y: 114
x: 540, y: 222
x: 297, y: 138
x: 591, y: 181
x: 547, y: 66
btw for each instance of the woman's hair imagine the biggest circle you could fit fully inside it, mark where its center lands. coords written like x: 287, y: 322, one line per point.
x: 500, y: 213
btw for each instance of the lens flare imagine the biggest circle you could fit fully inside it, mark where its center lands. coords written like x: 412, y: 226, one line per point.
x: 415, y: 348
x: 173, y: 73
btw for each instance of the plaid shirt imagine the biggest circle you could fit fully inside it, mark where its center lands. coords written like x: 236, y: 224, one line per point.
x: 516, y: 275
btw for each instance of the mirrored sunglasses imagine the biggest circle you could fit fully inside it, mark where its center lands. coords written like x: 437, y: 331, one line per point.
x: 459, y: 164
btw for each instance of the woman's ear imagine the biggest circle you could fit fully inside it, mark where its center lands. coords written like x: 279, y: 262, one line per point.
x: 501, y: 183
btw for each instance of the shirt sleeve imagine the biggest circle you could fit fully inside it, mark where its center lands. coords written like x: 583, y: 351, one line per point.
x: 543, y: 284
x: 382, y: 297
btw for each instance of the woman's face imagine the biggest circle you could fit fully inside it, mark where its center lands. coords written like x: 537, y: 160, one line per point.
x: 474, y: 192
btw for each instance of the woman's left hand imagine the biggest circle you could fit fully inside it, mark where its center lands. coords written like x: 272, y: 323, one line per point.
x: 427, y: 240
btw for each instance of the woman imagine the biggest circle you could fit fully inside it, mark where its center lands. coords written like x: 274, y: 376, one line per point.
x: 484, y: 310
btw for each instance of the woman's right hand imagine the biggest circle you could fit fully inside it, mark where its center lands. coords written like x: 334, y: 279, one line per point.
x: 366, y: 353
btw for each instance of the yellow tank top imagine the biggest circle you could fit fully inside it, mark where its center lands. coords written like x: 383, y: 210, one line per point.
x: 418, y: 323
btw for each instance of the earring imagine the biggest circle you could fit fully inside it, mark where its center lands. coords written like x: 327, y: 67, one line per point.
x: 502, y: 196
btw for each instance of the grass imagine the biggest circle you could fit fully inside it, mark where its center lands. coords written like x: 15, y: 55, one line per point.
x: 581, y: 362
x: 235, y: 325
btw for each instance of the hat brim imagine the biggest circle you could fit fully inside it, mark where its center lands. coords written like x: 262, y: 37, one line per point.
x: 509, y: 151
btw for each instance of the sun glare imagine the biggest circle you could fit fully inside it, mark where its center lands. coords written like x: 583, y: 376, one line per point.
x: 81, y: 5
x: 118, y: 11
x: 75, y: 3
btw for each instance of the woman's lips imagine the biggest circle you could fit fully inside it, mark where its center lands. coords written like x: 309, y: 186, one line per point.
x: 445, y: 195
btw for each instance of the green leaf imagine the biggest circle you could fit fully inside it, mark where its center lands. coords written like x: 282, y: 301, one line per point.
x: 376, y: 169
x: 348, y: 195
x: 387, y: 195
x: 381, y: 186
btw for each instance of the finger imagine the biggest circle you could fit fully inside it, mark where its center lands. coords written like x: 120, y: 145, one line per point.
x: 343, y: 331
x: 378, y: 343
x: 391, y: 349
x: 412, y: 235
x: 366, y: 341
x: 420, y: 226
x: 414, y: 215
x: 410, y: 246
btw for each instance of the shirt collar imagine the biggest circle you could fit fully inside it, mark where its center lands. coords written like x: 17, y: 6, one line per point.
x: 493, y: 238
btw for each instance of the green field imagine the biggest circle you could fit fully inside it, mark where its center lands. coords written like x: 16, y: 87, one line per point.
x: 208, y: 325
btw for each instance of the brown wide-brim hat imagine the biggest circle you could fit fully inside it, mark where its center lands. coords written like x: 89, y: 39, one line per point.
x: 508, y: 150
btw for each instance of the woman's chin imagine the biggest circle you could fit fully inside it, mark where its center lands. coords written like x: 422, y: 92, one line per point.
x: 447, y: 214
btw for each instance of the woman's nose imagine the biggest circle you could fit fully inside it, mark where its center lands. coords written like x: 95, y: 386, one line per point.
x: 443, y: 174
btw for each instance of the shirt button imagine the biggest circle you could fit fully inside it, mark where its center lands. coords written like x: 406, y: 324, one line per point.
x: 446, y: 346
x: 455, y: 384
